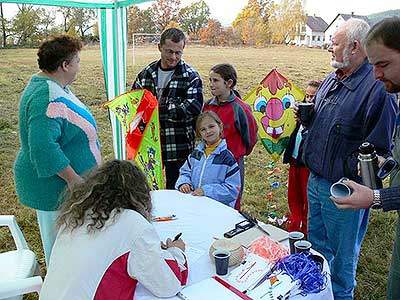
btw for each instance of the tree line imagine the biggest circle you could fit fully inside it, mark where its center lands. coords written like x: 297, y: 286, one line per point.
x: 260, y: 22
x: 32, y: 23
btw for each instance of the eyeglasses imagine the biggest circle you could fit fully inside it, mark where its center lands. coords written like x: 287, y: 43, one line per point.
x: 170, y: 52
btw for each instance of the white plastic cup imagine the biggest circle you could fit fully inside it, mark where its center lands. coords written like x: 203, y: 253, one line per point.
x: 340, y: 190
x: 302, y: 246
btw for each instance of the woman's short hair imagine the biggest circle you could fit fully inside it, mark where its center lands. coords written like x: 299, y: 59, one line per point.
x: 57, y: 49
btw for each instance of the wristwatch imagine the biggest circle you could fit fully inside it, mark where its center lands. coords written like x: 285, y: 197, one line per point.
x: 377, y: 201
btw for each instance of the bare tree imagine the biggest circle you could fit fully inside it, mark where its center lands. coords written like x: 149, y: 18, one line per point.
x: 47, y: 23
x: 67, y: 14
x: 83, y: 20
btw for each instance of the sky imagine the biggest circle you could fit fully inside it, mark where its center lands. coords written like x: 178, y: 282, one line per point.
x: 329, y: 9
x: 226, y: 10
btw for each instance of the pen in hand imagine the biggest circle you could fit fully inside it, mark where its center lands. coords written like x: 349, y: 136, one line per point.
x: 176, y: 242
x: 177, y: 237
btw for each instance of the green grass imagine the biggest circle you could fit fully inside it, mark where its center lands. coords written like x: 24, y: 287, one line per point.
x: 252, y: 64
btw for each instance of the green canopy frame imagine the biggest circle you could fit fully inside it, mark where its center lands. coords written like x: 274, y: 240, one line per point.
x: 112, y: 17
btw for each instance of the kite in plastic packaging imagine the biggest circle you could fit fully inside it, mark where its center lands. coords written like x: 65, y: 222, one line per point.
x: 137, y: 112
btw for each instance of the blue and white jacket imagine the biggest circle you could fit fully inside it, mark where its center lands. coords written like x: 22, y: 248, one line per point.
x: 218, y: 174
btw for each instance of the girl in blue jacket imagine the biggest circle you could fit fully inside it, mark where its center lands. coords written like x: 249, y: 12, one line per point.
x: 211, y: 169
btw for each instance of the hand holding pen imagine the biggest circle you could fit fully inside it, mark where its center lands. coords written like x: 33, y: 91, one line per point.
x: 177, y: 237
x: 176, y: 242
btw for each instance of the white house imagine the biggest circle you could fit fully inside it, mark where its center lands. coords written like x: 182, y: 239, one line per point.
x: 311, y: 34
x: 337, y: 21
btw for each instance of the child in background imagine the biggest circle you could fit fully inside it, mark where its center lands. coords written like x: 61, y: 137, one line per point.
x: 106, y: 243
x: 211, y: 169
x: 298, y: 173
x: 240, y: 126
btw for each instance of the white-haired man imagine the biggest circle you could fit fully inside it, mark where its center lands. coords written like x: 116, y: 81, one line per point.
x: 350, y: 107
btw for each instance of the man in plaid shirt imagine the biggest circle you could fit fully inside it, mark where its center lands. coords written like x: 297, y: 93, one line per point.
x: 179, y: 91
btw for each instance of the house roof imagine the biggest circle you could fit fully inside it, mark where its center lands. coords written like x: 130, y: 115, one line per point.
x: 316, y: 24
x: 348, y: 16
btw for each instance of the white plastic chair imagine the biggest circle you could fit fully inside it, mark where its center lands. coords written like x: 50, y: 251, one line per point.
x: 18, y: 267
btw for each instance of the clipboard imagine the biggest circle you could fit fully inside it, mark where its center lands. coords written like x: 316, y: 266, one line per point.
x: 245, y: 238
x: 211, y: 289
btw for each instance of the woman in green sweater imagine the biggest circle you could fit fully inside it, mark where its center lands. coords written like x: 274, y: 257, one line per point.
x: 58, y: 135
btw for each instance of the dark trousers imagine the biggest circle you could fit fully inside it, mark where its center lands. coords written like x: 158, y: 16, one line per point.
x: 172, y: 172
x: 393, y: 289
x: 241, y: 170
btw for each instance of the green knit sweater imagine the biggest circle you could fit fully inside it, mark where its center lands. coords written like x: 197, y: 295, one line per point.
x: 56, y: 130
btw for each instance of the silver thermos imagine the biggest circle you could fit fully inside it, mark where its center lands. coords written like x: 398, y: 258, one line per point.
x: 369, y: 166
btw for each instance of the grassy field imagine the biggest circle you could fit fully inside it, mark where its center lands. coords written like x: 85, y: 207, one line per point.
x: 298, y: 64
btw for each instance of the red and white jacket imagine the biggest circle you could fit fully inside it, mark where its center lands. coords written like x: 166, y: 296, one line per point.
x: 109, y: 263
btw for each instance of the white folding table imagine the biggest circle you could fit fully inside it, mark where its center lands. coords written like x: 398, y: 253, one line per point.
x: 201, y: 219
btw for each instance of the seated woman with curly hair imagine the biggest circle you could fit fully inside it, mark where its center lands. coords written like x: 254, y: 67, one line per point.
x: 106, y: 243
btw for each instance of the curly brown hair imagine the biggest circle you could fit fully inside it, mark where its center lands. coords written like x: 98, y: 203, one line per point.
x: 116, y: 184
x: 57, y: 49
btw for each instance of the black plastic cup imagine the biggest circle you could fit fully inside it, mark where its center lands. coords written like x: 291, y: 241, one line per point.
x: 305, y: 112
x: 221, y: 257
x: 294, y: 236
x: 302, y: 246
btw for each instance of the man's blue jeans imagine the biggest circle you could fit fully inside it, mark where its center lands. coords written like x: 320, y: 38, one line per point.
x: 393, y: 289
x: 337, y: 234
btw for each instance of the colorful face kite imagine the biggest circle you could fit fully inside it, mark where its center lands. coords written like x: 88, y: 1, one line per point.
x: 273, y: 100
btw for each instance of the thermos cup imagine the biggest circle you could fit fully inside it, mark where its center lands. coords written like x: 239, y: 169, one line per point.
x: 369, y: 166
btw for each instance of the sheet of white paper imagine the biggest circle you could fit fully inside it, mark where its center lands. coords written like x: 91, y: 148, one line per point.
x: 207, y: 289
x: 192, y: 255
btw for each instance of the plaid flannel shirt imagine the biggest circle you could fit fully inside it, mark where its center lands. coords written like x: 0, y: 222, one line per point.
x: 179, y: 105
